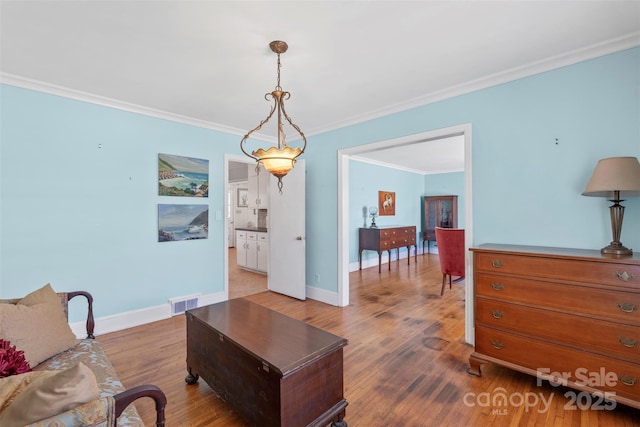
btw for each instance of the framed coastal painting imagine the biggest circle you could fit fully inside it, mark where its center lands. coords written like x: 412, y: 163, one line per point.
x: 182, y: 222
x: 386, y: 203
x: 182, y: 176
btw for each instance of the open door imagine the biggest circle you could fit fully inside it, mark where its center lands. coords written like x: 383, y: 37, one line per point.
x: 287, y: 255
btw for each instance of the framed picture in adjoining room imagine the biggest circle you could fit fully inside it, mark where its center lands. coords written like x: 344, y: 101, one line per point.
x: 182, y: 222
x: 182, y: 176
x: 386, y: 203
x: 242, y: 198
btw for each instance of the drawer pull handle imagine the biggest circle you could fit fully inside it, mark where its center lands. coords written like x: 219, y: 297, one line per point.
x: 627, y: 307
x: 497, y: 314
x: 497, y: 286
x: 627, y: 342
x: 496, y: 263
x: 625, y: 277
x: 497, y: 344
x: 627, y: 380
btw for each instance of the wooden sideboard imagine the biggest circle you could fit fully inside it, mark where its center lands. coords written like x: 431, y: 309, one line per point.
x: 385, y: 239
x: 555, y: 311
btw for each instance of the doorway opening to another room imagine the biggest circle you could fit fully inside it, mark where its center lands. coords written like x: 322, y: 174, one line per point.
x: 344, y: 157
x: 240, y: 281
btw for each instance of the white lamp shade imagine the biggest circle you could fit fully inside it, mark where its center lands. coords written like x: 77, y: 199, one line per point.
x: 615, y: 174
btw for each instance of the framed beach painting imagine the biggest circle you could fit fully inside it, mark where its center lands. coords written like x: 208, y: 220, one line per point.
x: 182, y: 222
x: 182, y: 176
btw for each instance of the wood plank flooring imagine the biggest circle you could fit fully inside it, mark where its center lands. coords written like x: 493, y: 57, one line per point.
x: 404, y: 364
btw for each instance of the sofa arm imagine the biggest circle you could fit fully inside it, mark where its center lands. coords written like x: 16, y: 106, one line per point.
x: 90, y: 320
x: 98, y: 413
x: 125, y: 398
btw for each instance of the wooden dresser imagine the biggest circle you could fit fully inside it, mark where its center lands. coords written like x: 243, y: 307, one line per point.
x: 552, y: 311
x: 385, y: 239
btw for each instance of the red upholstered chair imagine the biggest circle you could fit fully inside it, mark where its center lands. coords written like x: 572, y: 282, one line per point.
x: 450, y: 243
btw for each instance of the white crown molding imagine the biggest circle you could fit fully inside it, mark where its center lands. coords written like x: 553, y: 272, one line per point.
x: 39, y: 86
x: 387, y: 165
x: 590, y: 52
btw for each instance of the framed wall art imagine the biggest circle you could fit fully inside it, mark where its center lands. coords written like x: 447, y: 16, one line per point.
x: 182, y: 222
x: 386, y: 203
x: 182, y: 176
x: 242, y: 198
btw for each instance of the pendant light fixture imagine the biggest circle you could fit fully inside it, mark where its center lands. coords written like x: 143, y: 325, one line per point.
x: 277, y: 160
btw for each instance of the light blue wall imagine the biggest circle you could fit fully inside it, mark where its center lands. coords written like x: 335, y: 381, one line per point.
x: 365, y: 180
x: 83, y: 217
x: 79, y: 203
x: 526, y: 187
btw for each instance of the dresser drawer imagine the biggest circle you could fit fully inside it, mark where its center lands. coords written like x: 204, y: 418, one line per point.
x: 606, y: 338
x: 585, y: 271
x: 614, y: 305
x: 398, y: 237
x: 537, y: 355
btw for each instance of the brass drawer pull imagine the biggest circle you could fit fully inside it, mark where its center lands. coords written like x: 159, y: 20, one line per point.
x: 625, y: 277
x: 496, y: 263
x: 497, y: 314
x: 627, y: 307
x: 627, y: 342
x: 497, y: 344
x: 627, y: 380
x: 497, y: 286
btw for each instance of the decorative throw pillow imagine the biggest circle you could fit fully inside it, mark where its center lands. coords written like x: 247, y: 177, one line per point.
x: 12, y: 386
x: 12, y: 361
x: 50, y: 394
x: 37, y: 325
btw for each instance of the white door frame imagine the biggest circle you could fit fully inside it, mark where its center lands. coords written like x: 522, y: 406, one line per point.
x: 343, y: 214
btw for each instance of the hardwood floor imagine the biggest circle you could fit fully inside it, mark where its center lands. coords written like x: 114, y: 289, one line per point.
x: 243, y: 282
x: 404, y: 364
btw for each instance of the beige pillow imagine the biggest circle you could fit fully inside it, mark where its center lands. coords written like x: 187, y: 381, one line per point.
x: 12, y: 386
x: 37, y: 325
x: 50, y: 394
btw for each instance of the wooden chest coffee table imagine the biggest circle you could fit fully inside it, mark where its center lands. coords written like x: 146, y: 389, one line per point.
x: 272, y: 369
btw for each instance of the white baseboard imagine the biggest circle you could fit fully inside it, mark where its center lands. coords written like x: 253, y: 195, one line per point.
x: 322, y: 295
x: 373, y: 262
x: 129, y: 319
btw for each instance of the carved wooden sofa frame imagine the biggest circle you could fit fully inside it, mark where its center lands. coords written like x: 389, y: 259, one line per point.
x: 127, y: 397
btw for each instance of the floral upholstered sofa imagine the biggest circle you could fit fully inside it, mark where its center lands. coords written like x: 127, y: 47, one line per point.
x: 48, y: 378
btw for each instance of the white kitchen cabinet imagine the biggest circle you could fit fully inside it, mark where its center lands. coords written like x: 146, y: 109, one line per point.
x: 258, y: 186
x: 252, y: 250
x: 241, y: 248
x: 263, y: 251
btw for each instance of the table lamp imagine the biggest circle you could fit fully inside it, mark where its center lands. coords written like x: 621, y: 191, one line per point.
x: 613, y: 178
x: 373, y: 211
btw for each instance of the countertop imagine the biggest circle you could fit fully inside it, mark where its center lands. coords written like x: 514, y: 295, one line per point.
x: 258, y: 229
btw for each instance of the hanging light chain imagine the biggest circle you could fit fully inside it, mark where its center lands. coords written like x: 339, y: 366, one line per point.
x: 278, y: 87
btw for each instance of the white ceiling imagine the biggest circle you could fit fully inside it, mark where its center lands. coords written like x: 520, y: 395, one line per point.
x: 208, y: 62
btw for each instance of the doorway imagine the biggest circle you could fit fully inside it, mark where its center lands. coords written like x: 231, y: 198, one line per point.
x: 239, y: 281
x: 343, y: 199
